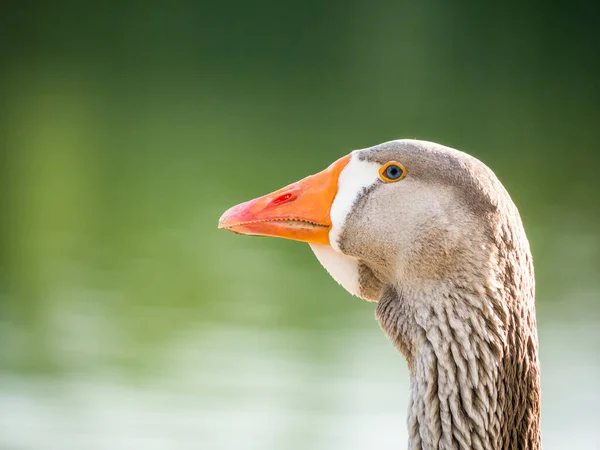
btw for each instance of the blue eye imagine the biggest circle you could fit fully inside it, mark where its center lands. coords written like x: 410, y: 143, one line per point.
x: 392, y: 172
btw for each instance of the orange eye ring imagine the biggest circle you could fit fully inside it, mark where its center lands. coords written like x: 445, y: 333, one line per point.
x: 392, y: 172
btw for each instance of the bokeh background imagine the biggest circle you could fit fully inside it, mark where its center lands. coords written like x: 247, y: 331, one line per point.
x: 128, y: 321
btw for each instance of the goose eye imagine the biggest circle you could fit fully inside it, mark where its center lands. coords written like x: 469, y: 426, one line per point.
x: 392, y: 172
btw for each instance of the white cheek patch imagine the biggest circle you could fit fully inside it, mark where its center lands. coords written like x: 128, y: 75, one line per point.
x: 342, y: 268
x: 354, y: 178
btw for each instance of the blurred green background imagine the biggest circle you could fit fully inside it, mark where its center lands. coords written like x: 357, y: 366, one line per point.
x: 127, y: 320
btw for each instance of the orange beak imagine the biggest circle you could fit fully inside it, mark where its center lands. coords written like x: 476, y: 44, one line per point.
x: 299, y: 211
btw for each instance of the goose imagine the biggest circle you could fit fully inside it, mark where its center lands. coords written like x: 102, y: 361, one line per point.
x: 430, y: 234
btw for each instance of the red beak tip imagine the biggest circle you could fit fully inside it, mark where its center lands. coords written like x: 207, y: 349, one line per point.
x: 224, y: 220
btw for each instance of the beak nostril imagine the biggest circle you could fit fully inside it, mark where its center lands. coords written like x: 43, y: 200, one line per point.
x: 283, y: 198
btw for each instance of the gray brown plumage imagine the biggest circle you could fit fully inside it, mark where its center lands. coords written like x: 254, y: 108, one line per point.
x: 444, y: 253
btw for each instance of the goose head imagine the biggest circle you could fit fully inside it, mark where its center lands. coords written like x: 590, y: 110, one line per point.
x: 430, y: 234
x: 398, y: 214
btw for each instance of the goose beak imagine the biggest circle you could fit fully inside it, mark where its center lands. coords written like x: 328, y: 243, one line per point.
x: 299, y: 211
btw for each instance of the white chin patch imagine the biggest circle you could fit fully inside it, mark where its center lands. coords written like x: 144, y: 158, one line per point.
x: 353, y: 180
x: 342, y: 268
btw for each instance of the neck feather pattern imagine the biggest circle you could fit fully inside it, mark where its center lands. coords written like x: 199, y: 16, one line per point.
x: 472, y: 353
